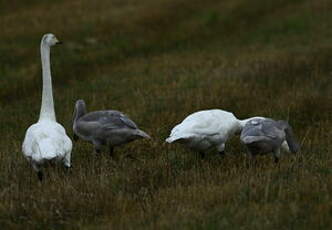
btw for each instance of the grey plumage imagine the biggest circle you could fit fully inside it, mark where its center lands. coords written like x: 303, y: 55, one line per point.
x: 262, y: 136
x: 106, y: 127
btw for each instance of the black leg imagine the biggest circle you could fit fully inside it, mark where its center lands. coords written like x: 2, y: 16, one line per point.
x: 98, y: 151
x: 52, y: 163
x: 276, y: 154
x: 75, y: 137
x: 97, y: 146
x: 68, y: 169
x: 202, y: 155
x: 111, y: 151
x: 40, y: 176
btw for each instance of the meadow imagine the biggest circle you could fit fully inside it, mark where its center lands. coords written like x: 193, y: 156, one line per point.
x: 158, y: 61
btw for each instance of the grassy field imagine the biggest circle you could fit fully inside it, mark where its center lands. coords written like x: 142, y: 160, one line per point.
x: 159, y: 61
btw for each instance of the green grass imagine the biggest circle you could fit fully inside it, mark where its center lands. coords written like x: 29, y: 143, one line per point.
x: 159, y: 61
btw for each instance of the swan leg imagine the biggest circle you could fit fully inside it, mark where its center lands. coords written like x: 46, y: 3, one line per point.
x: 39, y: 172
x: 67, y: 170
x: 40, y: 176
x: 97, y: 150
x: 276, y: 154
x: 97, y: 146
x: 67, y: 163
x: 111, y: 151
x: 201, y: 154
x: 75, y: 137
x: 52, y: 163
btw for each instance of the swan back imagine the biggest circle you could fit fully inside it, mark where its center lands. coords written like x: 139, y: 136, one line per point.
x: 47, y: 140
x: 205, y: 123
x: 100, y: 122
x: 106, y: 127
x: 262, y: 135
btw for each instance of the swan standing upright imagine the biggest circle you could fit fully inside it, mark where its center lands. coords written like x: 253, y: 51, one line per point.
x: 106, y: 127
x: 267, y: 135
x: 207, y: 130
x: 46, y: 140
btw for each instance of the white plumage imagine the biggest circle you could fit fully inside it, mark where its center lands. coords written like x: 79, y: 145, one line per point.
x: 46, y: 140
x: 207, y: 130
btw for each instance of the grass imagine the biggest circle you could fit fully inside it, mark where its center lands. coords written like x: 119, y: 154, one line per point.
x: 159, y: 61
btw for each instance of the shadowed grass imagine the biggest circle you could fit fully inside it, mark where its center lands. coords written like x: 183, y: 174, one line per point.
x: 159, y: 61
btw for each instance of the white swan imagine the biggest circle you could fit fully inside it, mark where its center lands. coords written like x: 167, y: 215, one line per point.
x: 207, y: 130
x: 46, y: 140
x: 262, y: 136
x: 106, y: 127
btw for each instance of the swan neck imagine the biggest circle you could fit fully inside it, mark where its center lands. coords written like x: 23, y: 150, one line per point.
x: 47, y: 106
x: 243, y: 122
x: 240, y: 125
x: 79, y: 112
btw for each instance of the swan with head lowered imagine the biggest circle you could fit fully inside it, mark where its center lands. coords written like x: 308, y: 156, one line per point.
x: 106, y: 127
x: 207, y: 130
x: 47, y: 140
x: 262, y: 136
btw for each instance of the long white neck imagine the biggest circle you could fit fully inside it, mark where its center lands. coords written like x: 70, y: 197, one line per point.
x: 47, y: 106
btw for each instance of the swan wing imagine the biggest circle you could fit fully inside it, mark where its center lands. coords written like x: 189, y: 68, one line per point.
x: 208, y: 122
x: 260, y: 130
x: 109, y: 119
x: 204, y: 124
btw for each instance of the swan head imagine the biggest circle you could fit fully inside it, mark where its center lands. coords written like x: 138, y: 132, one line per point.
x: 80, y: 109
x: 50, y: 40
x: 80, y: 104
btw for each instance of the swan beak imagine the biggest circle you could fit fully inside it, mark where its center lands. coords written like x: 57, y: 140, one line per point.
x: 59, y: 42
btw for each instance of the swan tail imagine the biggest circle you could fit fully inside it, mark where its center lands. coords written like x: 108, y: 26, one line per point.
x: 47, y: 151
x: 143, y: 134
